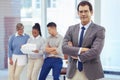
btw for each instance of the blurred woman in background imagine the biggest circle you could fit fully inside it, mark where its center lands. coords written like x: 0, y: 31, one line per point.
x: 35, y: 60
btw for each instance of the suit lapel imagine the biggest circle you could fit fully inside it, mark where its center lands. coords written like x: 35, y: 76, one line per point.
x: 76, y: 34
x: 88, y: 32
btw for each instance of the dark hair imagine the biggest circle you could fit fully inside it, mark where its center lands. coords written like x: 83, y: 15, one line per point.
x: 51, y: 24
x: 37, y: 26
x: 83, y: 3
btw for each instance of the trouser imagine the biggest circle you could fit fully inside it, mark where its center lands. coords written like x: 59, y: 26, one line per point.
x: 34, y: 66
x: 15, y: 71
x: 80, y: 76
x: 51, y: 63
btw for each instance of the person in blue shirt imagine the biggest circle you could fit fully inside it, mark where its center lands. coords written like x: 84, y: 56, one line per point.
x: 16, y: 59
x: 53, y: 54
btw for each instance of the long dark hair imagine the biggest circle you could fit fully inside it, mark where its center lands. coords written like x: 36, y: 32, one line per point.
x: 37, y: 26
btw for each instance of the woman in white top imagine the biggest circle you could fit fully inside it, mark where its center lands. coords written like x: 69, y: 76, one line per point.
x: 35, y: 60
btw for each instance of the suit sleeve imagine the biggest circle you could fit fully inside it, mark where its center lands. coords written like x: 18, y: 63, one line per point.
x: 96, y: 47
x: 71, y: 51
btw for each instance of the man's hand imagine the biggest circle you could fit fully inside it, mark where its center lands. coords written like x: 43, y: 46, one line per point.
x: 74, y: 57
x: 83, y: 50
x: 10, y: 61
x: 36, y: 51
x: 70, y: 43
x: 51, y: 50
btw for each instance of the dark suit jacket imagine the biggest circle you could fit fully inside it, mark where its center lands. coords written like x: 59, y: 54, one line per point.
x: 94, y: 40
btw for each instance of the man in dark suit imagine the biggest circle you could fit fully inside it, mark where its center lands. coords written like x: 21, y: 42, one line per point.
x: 83, y: 44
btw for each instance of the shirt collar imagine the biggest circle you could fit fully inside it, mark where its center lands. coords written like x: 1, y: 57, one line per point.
x: 16, y: 34
x: 86, y: 26
x: 36, y: 37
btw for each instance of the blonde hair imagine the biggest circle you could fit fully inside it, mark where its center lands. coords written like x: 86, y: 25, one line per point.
x: 19, y: 26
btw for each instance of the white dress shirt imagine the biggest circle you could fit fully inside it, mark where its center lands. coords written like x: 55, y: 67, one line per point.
x: 86, y: 27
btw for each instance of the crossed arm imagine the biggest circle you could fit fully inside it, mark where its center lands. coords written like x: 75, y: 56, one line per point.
x: 51, y: 50
x: 83, y: 50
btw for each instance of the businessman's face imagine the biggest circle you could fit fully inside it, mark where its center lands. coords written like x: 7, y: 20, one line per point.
x: 85, y: 14
x: 52, y: 30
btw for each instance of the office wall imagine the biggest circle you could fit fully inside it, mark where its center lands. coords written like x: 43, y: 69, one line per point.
x: 9, y: 16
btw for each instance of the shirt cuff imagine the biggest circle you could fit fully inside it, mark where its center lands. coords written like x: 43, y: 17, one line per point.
x: 79, y: 54
x: 79, y: 51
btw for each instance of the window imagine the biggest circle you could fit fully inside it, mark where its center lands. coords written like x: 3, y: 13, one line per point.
x: 37, y: 0
x: 30, y: 13
x: 37, y: 3
x: 26, y: 3
x: 26, y: 8
x: 111, y: 55
x: 51, y: 3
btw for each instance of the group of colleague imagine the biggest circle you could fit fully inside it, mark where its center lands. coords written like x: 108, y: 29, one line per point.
x: 82, y: 43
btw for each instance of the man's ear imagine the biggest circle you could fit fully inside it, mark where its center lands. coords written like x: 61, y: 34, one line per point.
x: 77, y: 12
x: 91, y: 12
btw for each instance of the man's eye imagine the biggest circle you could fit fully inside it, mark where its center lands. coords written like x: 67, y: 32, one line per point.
x: 81, y: 11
